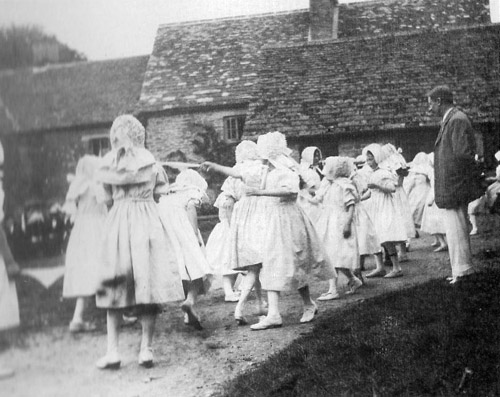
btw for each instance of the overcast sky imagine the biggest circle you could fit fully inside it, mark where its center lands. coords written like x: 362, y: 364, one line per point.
x: 105, y: 29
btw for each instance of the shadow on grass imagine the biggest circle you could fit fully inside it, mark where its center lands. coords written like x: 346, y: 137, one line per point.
x: 415, y: 342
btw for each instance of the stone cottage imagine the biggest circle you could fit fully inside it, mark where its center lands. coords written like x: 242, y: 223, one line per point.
x: 51, y: 116
x: 334, y: 75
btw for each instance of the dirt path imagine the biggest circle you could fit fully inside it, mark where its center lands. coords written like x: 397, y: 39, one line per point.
x: 52, y: 362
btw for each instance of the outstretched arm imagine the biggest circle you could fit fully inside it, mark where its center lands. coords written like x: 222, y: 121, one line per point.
x: 208, y: 166
x: 271, y: 192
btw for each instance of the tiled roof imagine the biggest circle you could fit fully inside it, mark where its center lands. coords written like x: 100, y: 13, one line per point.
x: 66, y: 95
x: 389, y: 16
x: 213, y: 62
x: 377, y: 83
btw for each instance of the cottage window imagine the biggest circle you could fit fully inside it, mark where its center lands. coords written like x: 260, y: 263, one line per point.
x: 233, y: 127
x: 97, y: 145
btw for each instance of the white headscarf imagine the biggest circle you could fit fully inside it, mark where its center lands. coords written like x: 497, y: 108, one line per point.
x: 376, y: 150
x: 307, y: 156
x: 272, y: 146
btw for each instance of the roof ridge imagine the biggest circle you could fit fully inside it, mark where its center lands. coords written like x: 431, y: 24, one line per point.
x: 365, y: 2
x: 54, y: 66
x: 414, y: 32
x: 234, y: 18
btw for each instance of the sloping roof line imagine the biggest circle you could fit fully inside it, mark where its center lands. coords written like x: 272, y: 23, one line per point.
x: 213, y: 63
x: 235, y: 18
x: 62, y: 96
x: 67, y: 65
x: 382, y: 36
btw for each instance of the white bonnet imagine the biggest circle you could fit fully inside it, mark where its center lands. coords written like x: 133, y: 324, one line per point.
x: 246, y: 150
x: 307, y: 155
x: 337, y: 167
x: 376, y: 150
x: 127, y: 132
x: 272, y: 145
x: 189, y: 177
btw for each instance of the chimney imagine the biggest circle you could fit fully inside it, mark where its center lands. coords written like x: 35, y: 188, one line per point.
x: 324, y: 19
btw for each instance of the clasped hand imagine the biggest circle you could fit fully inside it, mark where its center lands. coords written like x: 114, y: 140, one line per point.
x: 206, y: 166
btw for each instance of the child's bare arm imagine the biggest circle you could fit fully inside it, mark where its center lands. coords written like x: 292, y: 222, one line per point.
x: 193, y: 216
x: 208, y: 166
x: 349, y: 218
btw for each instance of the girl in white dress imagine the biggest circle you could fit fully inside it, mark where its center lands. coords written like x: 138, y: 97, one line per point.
x: 311, y: 159
x: 218, y: 250
x: 219, y: 241
x: 417, y: 186
x: 336, y: 227
x: 137, y: 268
x: 395, y: 162
x: 9, y: 270
x: 293, y: 253
x: 248, y: 220
x: 432, y: 218
x: 310, y: 182
x: 85, y: 201
x: 178, y: 210
x: 368, y: 242
x: 386, y: 217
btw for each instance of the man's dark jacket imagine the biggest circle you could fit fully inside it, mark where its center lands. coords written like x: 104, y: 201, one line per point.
x: 457, y: 179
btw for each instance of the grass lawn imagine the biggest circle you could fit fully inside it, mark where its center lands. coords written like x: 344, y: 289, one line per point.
x: 414, y: 342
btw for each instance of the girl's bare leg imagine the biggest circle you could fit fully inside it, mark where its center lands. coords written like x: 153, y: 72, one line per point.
x: 148, y: 328
x: 273, y: 318
x: 228, y: 283
x: 80, y: 305
x: 111, y: 360
x: 379, y: 270
x: 442, y: 244
x: 248, y: 282
x: 188, y: 305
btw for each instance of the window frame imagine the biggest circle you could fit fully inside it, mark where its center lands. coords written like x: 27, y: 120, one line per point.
x: 91, y: 140
x: 233, y: 127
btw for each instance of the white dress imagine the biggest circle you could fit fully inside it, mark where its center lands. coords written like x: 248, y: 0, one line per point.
x: 368, y: 242
x: 138, y: 265
x: 9, y: 307
x: 218, y: 249
x: 417, y: 190
x: 403, y: 206
x: 432, y: 218
x: 313, y: 211
x: 336, y: 196
x: 84, y: 245
x: 190, y: 251
x: 248, y: 219
x: 293, y: 255
x: 387, y: 219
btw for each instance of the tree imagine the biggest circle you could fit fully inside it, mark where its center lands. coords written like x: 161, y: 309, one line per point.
x: 209, y: 145
x: 22, y: 46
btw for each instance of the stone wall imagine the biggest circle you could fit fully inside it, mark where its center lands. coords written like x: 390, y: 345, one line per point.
x: 170, y: 137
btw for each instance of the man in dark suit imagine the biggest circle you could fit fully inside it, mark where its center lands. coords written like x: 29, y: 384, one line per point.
x: 456, y: 180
